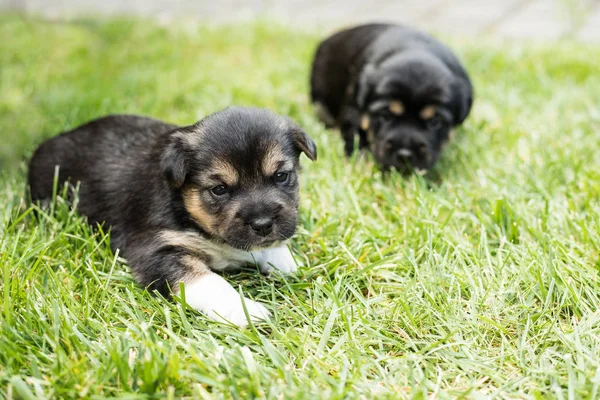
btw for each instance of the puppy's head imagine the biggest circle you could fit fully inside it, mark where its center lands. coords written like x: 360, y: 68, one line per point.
x: 409, y: 104
x: 237, y: 171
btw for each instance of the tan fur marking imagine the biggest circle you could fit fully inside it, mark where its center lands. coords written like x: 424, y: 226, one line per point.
x: 226, y: 171
x: 186, y: 240
x: 271, y: 160
x: 365, y: 122
x: 227, y: 216
x: 396, y: 107
x: 193, y: 205
x: 196, y: 266
x: 428, y: 112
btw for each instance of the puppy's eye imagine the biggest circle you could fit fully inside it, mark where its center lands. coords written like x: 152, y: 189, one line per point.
x: 282, y: 177
x: 219, y: 190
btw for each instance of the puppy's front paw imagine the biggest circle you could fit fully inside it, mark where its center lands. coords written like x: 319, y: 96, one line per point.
x: 235, y: 313
x: 218, y: 300
x: 278, y: 258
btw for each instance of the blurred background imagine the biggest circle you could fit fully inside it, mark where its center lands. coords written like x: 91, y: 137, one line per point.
x: 518, y: 19
x: 79, y: 62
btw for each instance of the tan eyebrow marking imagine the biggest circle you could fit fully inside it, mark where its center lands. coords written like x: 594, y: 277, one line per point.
x: 226, y: 172
x: 365, y: 122
x: 396, y: 107
x: 272, y: 159
x: 428, y: 112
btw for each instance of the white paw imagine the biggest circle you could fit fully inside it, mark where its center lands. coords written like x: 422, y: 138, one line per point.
x: 278, y: 258
x: 234, y: 312
x: 217, y: 299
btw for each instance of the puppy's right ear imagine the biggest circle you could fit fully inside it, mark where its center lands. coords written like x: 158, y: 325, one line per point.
x: 174, y: 160
x: 305, y: 143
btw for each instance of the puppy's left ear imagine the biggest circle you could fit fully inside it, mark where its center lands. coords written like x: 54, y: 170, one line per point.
x: 304, y: 143
x: 462, y: 99
x: 173, y: 162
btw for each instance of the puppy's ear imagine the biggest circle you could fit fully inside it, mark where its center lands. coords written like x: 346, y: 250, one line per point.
x: 462, y: 99
x: 174, y: 160
x: 364, y: 86
x: 304, y: 143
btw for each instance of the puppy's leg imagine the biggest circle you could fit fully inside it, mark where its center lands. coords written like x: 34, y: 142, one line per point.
x: 348, y: 136
x: 212, y: 295
x: 363, y: 140
x: 277, y: 258
x: 350, y: 120
x: 205, y: 291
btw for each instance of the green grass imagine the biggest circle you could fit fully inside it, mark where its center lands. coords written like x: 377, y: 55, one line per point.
x: 483, y: 281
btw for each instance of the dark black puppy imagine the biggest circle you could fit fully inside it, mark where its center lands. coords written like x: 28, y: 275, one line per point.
x: 184, y: 201
x: 399, y: 89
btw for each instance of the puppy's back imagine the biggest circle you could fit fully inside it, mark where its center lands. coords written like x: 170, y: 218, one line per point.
x: 334, y: 61
x: 340, y: 58
x: 90, y: 150
x: 400, y: 38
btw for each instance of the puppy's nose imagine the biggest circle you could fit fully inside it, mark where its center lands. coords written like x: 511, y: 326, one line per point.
x: 416, y: 153
x: 409, y: 151
x: 404, y: 153
x: 262, y: 226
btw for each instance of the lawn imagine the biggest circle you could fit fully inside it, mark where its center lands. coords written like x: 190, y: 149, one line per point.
x: 480, y: 280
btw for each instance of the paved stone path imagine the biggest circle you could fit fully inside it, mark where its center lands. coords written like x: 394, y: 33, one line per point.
x: 530, y: 19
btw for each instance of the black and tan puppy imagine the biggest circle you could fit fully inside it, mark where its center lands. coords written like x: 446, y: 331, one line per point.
x: 400, y: 90
x: 185, y: 201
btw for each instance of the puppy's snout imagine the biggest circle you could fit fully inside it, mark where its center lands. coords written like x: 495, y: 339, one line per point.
x: 260, y: 217
x: 409, y: 150
x: 262, y: 226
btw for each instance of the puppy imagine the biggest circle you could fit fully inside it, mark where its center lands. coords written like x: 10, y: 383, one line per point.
x: 183, y: 202
x: 400, y: 90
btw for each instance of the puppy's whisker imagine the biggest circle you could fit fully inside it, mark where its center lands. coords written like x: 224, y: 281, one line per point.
x: 281, y: 236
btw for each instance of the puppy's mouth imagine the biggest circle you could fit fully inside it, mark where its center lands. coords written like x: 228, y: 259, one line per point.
x: 242, y: 239
x: 404, y: 160
x: 404, y: 155
x: 265, y: 244
x: 260, y: 245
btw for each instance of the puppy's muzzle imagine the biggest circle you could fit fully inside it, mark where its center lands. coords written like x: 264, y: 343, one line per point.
x: 262, y: 226
x: 260, y: 218
x: 405, y: 150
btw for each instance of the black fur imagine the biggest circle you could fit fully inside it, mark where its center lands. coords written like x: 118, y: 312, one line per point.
x: 358, y: 68
x: 134, y: 172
